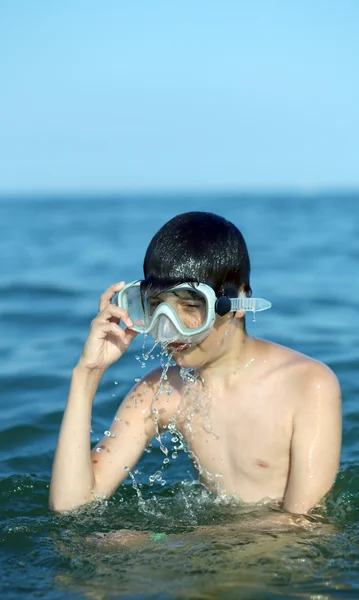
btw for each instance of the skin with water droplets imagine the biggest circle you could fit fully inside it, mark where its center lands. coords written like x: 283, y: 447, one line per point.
x: 200, y: 410
x: 235, y: 403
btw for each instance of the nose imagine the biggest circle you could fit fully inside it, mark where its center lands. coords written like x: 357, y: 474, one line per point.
x: 165, y: 329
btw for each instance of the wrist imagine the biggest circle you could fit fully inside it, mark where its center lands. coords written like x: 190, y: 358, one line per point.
x: 87, y: 373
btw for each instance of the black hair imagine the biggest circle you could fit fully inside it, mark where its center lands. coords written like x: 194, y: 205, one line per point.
x: 198, y: 247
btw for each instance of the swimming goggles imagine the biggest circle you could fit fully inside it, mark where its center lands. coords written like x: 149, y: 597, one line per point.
x: 184, y: 313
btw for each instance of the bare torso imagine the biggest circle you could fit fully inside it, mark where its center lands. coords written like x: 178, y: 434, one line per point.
x: 260, y: 421
x: 239, y: 433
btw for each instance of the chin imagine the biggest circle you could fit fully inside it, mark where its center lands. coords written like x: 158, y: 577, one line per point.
x: 189, y: 359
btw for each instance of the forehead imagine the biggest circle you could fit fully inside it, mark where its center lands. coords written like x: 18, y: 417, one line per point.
x: 180, y: 293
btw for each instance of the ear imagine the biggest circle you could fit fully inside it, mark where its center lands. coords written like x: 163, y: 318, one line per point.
x: 240, y: 313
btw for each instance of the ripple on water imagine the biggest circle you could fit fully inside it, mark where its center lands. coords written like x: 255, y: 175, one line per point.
x: 207, y: 546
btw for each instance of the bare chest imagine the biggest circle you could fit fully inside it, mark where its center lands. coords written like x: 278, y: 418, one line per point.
x: 239, y: 443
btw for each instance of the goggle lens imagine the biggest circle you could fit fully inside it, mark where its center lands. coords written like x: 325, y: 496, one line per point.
x: 189, y: 305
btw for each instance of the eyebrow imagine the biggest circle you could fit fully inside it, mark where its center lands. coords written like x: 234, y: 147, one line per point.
x: 189, y: 295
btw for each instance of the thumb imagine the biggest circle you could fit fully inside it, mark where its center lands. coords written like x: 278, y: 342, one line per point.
x: 130, y: 335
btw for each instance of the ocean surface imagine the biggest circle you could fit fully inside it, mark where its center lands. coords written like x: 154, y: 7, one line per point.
x: 57, y: 256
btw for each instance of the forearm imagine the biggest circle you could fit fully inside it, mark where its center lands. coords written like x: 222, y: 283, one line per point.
x: 72, y: 480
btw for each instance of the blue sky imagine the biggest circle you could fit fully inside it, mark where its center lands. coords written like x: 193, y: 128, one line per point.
x: 172, y: 95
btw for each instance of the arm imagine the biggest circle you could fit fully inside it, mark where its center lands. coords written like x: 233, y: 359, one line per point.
x: 80, y: 476
x: 72, y: 478
x: 316, y: 442
x: 73, y: 481
x: 131, y: 431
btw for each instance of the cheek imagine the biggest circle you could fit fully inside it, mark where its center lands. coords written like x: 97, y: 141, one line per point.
x: 211, y: 345
x: 219, y: 333
x: 215, y: 343
x: 220, y: 337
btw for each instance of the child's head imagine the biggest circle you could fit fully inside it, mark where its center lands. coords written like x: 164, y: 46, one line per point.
x: 201, y: 247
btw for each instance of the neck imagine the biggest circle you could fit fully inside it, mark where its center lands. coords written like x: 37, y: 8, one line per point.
x: 235, y: 359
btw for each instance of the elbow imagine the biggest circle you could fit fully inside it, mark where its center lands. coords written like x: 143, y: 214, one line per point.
x: 303, y: 505
x: 64, y: 505
x: 60, y: 507
x: 297, y: 508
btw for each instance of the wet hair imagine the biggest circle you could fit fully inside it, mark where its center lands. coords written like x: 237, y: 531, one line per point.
x: 198, y: 247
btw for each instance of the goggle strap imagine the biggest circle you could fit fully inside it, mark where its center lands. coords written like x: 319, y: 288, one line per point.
x: 249, y: 304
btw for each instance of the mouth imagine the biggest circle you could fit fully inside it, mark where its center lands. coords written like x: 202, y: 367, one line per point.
x: 178, y: 347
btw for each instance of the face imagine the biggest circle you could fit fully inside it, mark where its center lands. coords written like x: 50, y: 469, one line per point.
x: 189, y: 306
x: 217, y: 344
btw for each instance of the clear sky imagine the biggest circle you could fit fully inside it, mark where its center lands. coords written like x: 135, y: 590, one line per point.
x: 178, y: 94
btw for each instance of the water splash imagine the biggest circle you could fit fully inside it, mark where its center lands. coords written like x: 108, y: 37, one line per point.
x: 195, y: 402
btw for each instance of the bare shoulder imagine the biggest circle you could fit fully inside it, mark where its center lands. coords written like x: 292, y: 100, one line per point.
x: 303, y: 375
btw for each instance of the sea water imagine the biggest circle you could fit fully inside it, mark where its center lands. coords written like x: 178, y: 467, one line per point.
x: 57, y: 256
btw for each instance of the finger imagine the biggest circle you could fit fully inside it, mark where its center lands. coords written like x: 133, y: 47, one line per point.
x: 107, y: 296
x: 116, y: 331
x: 114, y: 313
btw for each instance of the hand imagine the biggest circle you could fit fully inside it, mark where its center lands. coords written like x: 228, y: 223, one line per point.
x: 107, y: 342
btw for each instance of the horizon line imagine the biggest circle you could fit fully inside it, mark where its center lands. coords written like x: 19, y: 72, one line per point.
x: 143, y: 193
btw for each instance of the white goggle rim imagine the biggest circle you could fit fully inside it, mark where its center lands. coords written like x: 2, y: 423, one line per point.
x: 166, y: 309
x: 241, y: 303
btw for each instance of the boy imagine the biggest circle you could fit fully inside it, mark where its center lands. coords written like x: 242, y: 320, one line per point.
x: 261, y: 421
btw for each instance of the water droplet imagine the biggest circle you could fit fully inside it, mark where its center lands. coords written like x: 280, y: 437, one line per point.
x: 163, y: 482
x: 107, y: 433
x: 151, y: 478
x: 137, y: 357
x: 219, y: 475
x: 174, y: 454
x: 113, y: 435
x: 174, y: 439
x: 166, y: 461
x: 115, y: 382
x: 152, y: 357
x: 98, y: 449
x: 137, y: 379
x: 126, y: 469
